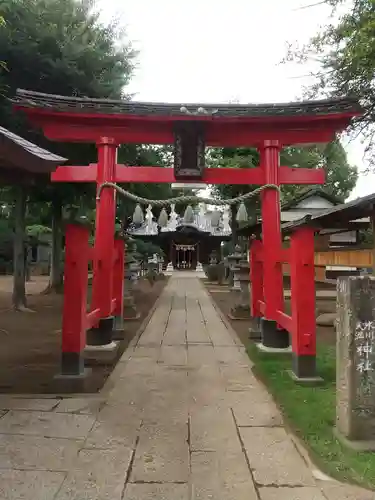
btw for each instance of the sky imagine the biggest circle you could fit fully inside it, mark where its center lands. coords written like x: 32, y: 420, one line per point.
x: 217, y: 51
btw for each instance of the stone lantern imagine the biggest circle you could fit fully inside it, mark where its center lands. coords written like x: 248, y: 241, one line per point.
x: 233, y: 262
x: 132, y: 269
x: 242, y: 309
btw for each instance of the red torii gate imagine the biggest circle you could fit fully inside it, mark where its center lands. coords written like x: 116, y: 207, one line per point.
x: 268, y: 127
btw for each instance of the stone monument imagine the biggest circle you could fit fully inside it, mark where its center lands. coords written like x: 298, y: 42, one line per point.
x: 355, y: 393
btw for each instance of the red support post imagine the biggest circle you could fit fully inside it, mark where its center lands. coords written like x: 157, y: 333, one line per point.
x: 118, y: 277
x: 104, y: 243
x: 271, y: 236
x: 302, y: 273
x: 75, y: 299
x: 256, y: 278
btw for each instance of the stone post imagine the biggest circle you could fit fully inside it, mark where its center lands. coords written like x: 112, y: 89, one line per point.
x: 355, y: 394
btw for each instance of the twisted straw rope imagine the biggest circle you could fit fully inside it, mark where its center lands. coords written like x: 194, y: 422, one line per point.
x: 184, y: 199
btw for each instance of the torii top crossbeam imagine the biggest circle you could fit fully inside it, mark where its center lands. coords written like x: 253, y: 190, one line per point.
x: 83, y: 119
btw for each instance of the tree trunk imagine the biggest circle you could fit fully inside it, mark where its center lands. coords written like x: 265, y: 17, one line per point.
x: 27, y: 263
x: 56, y: 279
x: 234, y: 224
x: 19, y: 291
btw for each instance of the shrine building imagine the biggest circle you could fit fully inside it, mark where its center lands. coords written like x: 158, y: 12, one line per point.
x: 185, y: 244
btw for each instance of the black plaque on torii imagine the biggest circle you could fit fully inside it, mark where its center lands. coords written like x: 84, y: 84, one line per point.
x: 189, y: 150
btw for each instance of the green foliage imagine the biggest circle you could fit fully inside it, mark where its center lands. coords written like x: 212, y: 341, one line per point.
x: 3, y: 65
x: 60, y: 48
x: 147, y: 249
x: 37, y: 230
x: 345, y: 52
x: 341, y: 177
x: 235, y: 158
x: 147, y: 156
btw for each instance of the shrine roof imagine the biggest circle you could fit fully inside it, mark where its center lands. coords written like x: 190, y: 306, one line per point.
x: 57, y: 103
x: 201, y: 225
x: 356, y: 211
x: 309, y: 192
x: 16, y: 152
x: 353, y: 215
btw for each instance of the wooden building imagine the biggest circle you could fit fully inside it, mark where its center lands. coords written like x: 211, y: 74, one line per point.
x: 187, y: 244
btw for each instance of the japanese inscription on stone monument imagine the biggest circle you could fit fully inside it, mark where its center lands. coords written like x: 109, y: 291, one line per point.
x: 355, y: 406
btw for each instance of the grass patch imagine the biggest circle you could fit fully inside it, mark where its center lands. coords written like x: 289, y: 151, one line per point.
x: 310, y: 412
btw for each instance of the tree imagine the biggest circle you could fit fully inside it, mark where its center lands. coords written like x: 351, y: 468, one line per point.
x: 147, y: 155
x: 234, y: 158
x: 62, y: 48
x: 341, y: 177
x: 345, y: 53
x: 2, y: 63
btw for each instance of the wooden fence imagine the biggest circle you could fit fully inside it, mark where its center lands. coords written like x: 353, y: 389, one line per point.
x: 355, y: 257
x: 343, y: 257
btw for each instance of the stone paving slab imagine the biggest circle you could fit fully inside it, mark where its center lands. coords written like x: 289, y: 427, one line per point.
x: 238, y: 378
x: 97, y: 475
x: 231, y: 355
x: 162, y: 454
x: 37, y: 453
x: 82, y: 406
x: 273, y: 457
x: 21, y: 484
x: 181, y: 418
x: 107, y: 435
x: 221, y: 476
x: 14, y: 403
x: 199, y: 355
x: 156, y: 492
x: 173, y: 355
x: 337, y: 491
x: 213, y: 429
x: 148, y: 352
x: 164, y: 407
x: 261, y: 414
x: 308, y: 493
x: 59, y: 425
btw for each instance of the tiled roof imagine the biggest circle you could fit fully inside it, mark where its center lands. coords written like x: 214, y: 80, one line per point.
x: 29, y: 99
x: 307, y: 193
x: 20, y: 153
x: 33, y: 149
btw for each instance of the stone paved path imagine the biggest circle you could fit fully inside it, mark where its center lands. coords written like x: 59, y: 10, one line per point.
x: 182, y: 418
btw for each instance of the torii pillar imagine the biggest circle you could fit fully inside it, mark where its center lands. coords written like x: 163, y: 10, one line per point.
x: 104, y: 248
x: 273, y: 290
